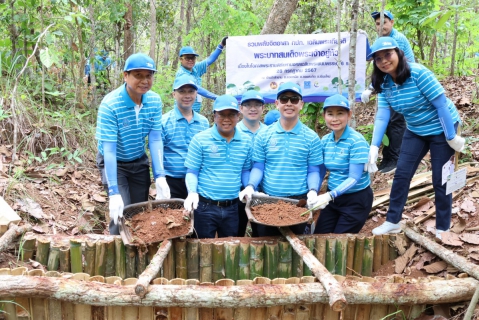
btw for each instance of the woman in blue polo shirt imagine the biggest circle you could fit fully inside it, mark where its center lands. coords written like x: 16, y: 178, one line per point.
x: 431, y: 119
x: 348, y: 201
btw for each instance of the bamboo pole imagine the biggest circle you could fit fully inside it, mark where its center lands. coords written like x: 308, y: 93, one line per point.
x: 100, y: 258
x: 180, y: 257
x: 153, y: 269
x: 367, y: 268
x: 256, y: 259
x: 377, y: 254
x: 242, y: 313
x: 76, y: 257
x: 110, y: 258
x: 218, y: 261
x: 337, y: 300
x: 331, y: 255
x: 206, y: 313
x: 12, y: 233
x: 271, y: 259
x: 191, y: 313
x: 385, y: 250
x: 113, y: 313
x: 28, y: 248
x: 64, y: 259
x: 350, y: 256
x: 38, y: 305
x: 7, y: 305
x: 43, y: 249
x: 285, y: 259
x: 260, y: 313
x: 393, y: 254
x: 159, y: 310
x: 169, y: 267
x: 341, y: 255
x: 142, y: 259
x: 297, y: 265
x: 176, y: 313
x: 320, y: 250
x: 243, y: 267
x: 193, y: 259
x: 303, y: 311
x: 224, y: 313
x: 53, y: 258
x: 310, y: 243
x: 130, y: 253
x: 276, y: 312
x: 120, y: 258
x: 90, y: 252
x: 231, y: 258
x: 206, y: 262
x: 289, y: 310
x: 358, y: 255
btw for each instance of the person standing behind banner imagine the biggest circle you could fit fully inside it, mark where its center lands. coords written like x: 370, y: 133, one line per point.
x: 349, y: 199
x: 179, y: 126
x: 251, y: 107
x: 286, y: 157
x: 197, y: 70
x: 432, y: 120
x: 397, y: 125
x: 218, y: 163
x: 126, y: 117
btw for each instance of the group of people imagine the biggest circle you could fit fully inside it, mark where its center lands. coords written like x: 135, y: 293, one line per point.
x: 215, y: 169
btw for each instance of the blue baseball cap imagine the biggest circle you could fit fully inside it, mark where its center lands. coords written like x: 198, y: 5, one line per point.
x: 225, y: 102
x: 271, y: 117
x: 187, y: 50
x: 289, y: 86
x: 336, y: 101
x: 382, y: 43
x: 252, y: 95
x: 139, y: 61
x: 387, y: 14
x: 183, y: 80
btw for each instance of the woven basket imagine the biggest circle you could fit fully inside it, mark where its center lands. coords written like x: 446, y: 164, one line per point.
x: 132, y: 209
x: 257, y: 200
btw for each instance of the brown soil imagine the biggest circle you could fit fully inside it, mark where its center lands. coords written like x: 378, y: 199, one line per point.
x: 159, y: 224
x: 279, y: 214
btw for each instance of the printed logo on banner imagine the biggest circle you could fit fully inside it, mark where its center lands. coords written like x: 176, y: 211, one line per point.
x: 316, y: 84
x: 307, y: 84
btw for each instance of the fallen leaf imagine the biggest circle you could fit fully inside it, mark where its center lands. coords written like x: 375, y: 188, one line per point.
x: 474, y: 256
x: 61, y: 172
x: 88, y: 206
x: 470, y: 238
x: 38, y: 229
x: 459, y: 227
x: 475, y: 194
x: 99, y: 198
x: 425, y: 257
x: 435, y: 267
x: 32, y: 208
x: 402, y: 261
x: 77, y: 175
x: 375, y: 219
x: 401, y: 244
x: 173, y: 225
x: 468, y: 206
x: 451, y: 239
x: 75, y: 231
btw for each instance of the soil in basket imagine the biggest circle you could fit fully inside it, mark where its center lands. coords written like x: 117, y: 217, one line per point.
x: 159, y: 224
x: 279, y: 214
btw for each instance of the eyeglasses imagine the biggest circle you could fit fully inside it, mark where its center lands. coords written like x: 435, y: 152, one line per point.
x: 190, y: 58
x: 226, y: 116
x: 387, y: 56
x: 293, y: 99
x: 253, y: 105
x: 141, y: 77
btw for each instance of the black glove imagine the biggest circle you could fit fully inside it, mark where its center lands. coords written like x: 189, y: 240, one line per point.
x: 223, y: 41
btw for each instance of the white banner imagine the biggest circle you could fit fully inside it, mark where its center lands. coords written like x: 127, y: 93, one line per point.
x: 264, y: 62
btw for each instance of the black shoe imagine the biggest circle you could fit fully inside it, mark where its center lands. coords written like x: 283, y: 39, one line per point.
x: 383, y: 164
x: 390, y: 167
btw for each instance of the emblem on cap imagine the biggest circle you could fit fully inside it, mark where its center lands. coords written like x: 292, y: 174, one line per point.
x: 387, y: 43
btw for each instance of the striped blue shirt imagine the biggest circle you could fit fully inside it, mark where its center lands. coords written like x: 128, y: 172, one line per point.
x: 350, y: 148
x: 219, y: 163
x: 197, y: 72
x: 244, y: 129
x: 413, y: 100
x: 403, y: 44
x: 119, y: 122
x: 286, y: 156
x: 177, y: 134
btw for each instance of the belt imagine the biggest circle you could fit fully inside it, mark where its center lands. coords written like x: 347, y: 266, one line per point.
x: 224, y: 203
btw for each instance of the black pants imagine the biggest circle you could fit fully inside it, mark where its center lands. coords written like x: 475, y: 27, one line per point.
x: 133, y: 182
x: 177, y: 187
x: 395, y: 133
x: 347, y: 213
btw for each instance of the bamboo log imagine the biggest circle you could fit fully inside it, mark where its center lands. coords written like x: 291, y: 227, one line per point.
x: 385, y: 250
x: 260, y: 313
x: 38, y: 305
x: 206, y: 313
x: 190, y: 313
x: 276, y: 312
x: 64, y: 259
x: 206, y: 262
x: 218, y: 261
x: 271, y: 259
x: 153, y: 269
x: 297, y: 265
x: 337, y: 300
x: 256, y: 259
x: 377, y: 255
x: 320, y: 250
x: 100, y: 259
x: 110, y: 258
x: 53, y: 259
x: 289, y: 310
x: 175, y: 313
x: 393, y: 254
x: 120, y: 258
x: 224, y: 313
x: 242, y: 313
x: 331, y: 255
x: 76, y: 257
x: 341, y: 255
x: 368, y: 255
x: 350, y: 256
x: 231, y: 257
x: 99, y: 294
x: 130, y: 253
x: 310, y: 243
x: 285, y: 259
x: 12, y: 233
x: 180, y: 257
x: 169, y: 267
x: 358, y: 255
x: 90, y: 252
x: 193, y: 259
x: 27, y: 249
x: 43, y: 249
x: 142, y: 259
x: 243, y: 267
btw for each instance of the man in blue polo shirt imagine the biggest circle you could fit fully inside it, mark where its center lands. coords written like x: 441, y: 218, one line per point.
x: 286, y: 156
x: 179, y: 127
x: 397, y: 125
x: 218, y: 162
x: 126, y: 117
x: 102, y: 65
x: 197, y: 70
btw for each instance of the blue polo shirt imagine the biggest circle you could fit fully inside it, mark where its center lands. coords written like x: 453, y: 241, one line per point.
x: 244, y: 129
x: 350, y: 148
x: 412, y: 99
x: 286, y: 156
x: 403, y: 44
x: 177, y: 135
x: 197, y: 72
x: 219, y: 163
x: 118, y: 122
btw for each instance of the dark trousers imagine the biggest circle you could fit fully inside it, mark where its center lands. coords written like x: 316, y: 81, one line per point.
x: 133, y: 182
x: 413, y: 150
x: 211, y: 219
x: 177, y: 187
x: 395, y: 133
x: 346, y: 214
x: 243, y: 221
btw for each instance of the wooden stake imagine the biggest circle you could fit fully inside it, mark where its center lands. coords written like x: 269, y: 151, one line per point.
x: 28, y: 248
x: 193, y: 259
x: 76, y: 257
x: 43, y: 249
x: 53, y: 258
x: 244, y: 254
x: 242, y: 313
x: 100, y: 258
x: 377, y: 255
x: 271, y: 259
x: 285, y: 259
x: 90, y: 252
x: 367, y: 268
x: 385, y: 250
x: 141, y: 259
x: 341, y: 255
x: 256, y: 259
x: 64, y: 259
x: 180, y: 259
x: 206, y: 262
x: 331, y: 255
x: 224, y: 313
x: 298, y: 264
x: 310, y: 243
x: 231, y: 258
x: 120, y: 258
x: 393, y: 254
x: 320, y: 249
x: 110, y: 258
x: 358, y: 255
x: 130, y: 261
x: 350, y: 256
x: 153, y: 269
x: 218, y: 261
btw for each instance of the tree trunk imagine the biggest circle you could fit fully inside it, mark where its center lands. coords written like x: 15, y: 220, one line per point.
x: 13, y: 29
x: 454, y: 44
x: 432, y: 52
x: 338, y: 29
x: 189, y: 9
x: 352, y: 60
x: 178, y: 39
x: 152, y: 29
x: 13, y: 232
x: 279, y: 16
x: 128, y: 33
x: 91, y: 55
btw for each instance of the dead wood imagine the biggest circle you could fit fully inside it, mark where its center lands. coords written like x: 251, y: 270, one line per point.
x: 13, y: 232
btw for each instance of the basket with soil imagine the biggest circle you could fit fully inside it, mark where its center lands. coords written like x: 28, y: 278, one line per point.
x: 277, y: 211
x: 155, y: 221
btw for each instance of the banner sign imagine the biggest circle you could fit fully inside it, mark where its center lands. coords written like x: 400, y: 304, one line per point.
x: 263, y: 62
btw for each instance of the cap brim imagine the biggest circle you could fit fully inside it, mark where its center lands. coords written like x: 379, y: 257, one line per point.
x: 286, y: 90
x: 252, y: 99
x: 370, y: 56
x: 225, y: 108
x: 186, y: 84
x: 335, y: 105
x: 131, y: 69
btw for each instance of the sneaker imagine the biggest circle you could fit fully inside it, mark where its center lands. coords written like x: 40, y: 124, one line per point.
x: 390, y: 167
x: 438, y: 233
x: 387, y: 227
x: 382, y: 165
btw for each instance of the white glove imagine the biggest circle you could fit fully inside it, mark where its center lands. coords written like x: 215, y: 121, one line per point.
x: 246, y: 194
x: 321, y: 202
x: 365, y: 96
x: 457, y: 143
x: 191, y: 201
x: 116, y: 208
x: 162, y: 189
x: 361, y: 31
x: 312, y: 198
x: 371, y: 166
x: 260, y: 194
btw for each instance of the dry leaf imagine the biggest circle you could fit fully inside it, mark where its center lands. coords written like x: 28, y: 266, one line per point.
x: 88, y: 206
x: 32, y: 208
x: 77, y: 175
x: 61, y: 172
x: 423, y: 205
x: 38, y: 229
x: 99, y: 198
x: 459, y: 227
x: 436, y: 267
x: 401, y: 244
x: 375, y: 219
x: 402, y: 261
x: 451, y: 239
x: 468, y: 206
x: 475, y: 194
x: 173, y: 225
x: 470, y: 238
x: 425, y: 257
x: 474, y: 256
